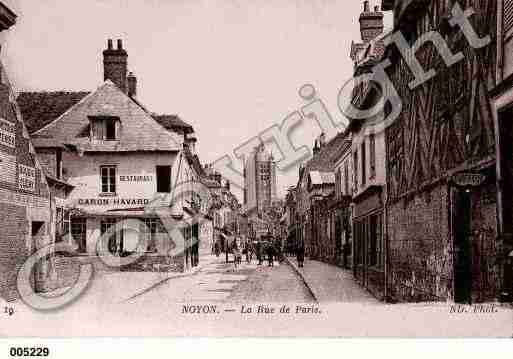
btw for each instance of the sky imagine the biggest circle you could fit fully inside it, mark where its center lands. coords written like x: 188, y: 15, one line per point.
x: 229, y: 68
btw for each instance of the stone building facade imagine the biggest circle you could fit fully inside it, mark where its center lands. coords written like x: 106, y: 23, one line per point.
x: 320, y: 209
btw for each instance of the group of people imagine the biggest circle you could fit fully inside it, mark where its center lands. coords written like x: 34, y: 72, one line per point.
x: 264, y: 250
x: 269, y: 250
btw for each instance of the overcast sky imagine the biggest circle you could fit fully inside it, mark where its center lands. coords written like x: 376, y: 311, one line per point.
x: 231, y: 68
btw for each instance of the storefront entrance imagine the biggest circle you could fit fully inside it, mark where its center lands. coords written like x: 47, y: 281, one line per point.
x: 462, y: 246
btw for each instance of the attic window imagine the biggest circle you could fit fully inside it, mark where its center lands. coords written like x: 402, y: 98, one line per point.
x: 104, y: 128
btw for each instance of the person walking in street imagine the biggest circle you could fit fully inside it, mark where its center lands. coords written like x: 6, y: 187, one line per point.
x: 279, y: 252
x: 217, y: 249
x: 247, y: 248
x: 346, y: 249
x: 270, y: 254
x: 259, y: 253
x: 237, y: 255
x: 300, y: 255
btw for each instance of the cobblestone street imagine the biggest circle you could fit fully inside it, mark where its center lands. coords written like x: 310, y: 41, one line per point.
x: 272, y: 284
x: 220, y: 282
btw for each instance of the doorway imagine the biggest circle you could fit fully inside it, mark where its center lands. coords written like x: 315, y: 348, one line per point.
x: 462, y: 230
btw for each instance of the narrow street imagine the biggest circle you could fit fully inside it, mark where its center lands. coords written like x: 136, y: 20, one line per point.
x: 220, y: 282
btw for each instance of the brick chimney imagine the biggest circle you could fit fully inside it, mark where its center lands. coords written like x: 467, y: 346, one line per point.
x: 132, y: 85
x: 115, y: 65
x: 371, y: 22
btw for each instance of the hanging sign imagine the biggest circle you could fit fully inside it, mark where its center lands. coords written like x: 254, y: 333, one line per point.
x: 468, y: 179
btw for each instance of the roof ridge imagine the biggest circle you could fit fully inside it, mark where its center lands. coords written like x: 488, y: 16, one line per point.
x: 69, y: 109
x: 101, y: 97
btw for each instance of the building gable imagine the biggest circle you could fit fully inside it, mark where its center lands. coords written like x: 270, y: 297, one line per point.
x: 41, y: 108
x: 137, y: 130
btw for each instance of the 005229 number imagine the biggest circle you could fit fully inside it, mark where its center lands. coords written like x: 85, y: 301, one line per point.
x: 29, y: 352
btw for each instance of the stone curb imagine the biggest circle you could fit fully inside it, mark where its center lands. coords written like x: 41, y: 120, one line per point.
x: 302, y: 276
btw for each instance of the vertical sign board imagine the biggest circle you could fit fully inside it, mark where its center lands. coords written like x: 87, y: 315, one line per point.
x: 26, y: 178
x: 7, y: 160
x: 7, y: 133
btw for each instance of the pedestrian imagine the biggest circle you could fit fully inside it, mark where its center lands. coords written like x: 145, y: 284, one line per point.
x: 251, y: 250
x: 270, y: 255
x: 247, y: 252
x: 300, y: 255
x: 217, y: 249
x: 346, y: 250
x: 237, y: 255
x: 259, y: 253
x: 279, y: 252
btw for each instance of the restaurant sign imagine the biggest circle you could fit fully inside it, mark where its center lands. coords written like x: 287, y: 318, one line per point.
x: 113, y: 201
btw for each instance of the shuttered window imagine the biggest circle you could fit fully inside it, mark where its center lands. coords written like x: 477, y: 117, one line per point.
x: 508, y: 15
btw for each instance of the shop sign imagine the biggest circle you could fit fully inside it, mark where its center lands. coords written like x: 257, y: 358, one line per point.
x: 26, y: 178
x: 7, y: 133
x: 113, y: 201
x: 468, y: 179
x: 135, y: 178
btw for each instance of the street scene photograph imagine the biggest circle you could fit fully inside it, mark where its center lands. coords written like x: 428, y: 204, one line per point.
x: 221, y: 168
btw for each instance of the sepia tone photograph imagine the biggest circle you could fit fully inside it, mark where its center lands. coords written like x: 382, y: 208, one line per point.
x: 329, y: 168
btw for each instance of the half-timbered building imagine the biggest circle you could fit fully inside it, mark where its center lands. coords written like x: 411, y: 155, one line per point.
x: 441, y: 153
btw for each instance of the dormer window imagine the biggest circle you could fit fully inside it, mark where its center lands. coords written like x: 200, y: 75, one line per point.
x: 104, y: 128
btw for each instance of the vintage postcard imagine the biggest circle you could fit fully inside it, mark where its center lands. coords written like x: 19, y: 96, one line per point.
x: 225, y: 168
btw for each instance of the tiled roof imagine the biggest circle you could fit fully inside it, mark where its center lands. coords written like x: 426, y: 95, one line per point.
x: 40, y: 108
x: 40, y: 142
x: 326, y: 158
x: 173, y: 122
x: 138, y: 130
